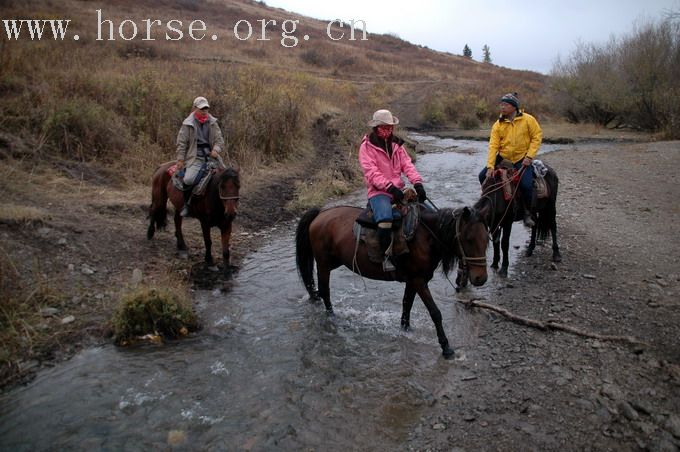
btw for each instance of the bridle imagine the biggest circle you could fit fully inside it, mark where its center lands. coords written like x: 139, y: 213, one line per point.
x: 227, y: 198
x: 479, y: 261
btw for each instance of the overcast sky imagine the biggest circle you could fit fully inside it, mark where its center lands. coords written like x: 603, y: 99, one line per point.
x: 527, y: 34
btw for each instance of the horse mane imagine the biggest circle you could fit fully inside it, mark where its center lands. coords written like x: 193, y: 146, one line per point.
x: 229, y: 173
x: 446, y: 225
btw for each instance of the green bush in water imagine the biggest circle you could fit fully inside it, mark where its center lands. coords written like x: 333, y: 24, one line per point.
x: 153, y: 311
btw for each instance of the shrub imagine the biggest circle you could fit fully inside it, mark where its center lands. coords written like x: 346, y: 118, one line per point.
x: 153, y: 311
x: 433, y: 114
x: 314, y: 57
x: 469, y: 122
x: 84, y: 129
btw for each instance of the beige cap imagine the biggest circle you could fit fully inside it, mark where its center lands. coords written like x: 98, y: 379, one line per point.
x: 383, y: 117
x: 201, y: 102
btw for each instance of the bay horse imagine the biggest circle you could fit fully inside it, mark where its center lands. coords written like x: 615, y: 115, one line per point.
x: 325, y: 237
x: 215, y: 208
x: 501, y: 196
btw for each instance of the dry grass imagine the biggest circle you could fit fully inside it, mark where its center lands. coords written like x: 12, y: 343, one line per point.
x: 19, y: 215
x: 23, y: 334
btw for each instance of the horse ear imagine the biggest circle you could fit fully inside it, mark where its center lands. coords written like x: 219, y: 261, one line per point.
x: 466, y: 212
x: 483, y: 211
x: 236, y: 167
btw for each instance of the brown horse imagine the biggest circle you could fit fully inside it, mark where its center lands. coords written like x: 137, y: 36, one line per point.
x: 326, y: 237
x: 215, y: 208
x: 500, y: 197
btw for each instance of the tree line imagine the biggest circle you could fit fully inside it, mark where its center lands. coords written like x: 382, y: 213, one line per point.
x: 631, y: 81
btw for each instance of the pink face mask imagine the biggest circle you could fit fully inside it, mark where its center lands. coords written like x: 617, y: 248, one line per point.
x: 384, y: 131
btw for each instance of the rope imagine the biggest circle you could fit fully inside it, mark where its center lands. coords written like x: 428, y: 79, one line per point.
x: 498, y: 186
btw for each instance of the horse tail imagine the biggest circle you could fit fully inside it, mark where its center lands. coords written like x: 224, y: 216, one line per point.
x: 547, y: 216
x: 158, y: 209
x: 304, y: 255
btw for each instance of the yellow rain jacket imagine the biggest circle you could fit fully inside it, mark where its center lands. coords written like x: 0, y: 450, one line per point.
x: 515, y: 139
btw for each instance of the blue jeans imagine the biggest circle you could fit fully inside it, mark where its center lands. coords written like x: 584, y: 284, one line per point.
x: 381, y: 205
x: 195, y: 172
x: 526, y: 183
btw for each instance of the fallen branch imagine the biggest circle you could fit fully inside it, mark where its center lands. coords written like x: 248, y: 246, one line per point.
x: 545, y: 326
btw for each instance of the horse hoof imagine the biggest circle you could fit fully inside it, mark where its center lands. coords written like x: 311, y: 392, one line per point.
x: 183, y: 254
x: 529, y: 253
x: 494, y: 266
x: 405, y: 327
x: 330, y: 314
x: 557, y: 257
x: 448, y: 352
x: 503, y: 272
x: 213, y: 268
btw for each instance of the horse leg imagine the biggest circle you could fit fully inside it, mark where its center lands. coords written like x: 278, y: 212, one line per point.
x: 532, y: 242
x: 225, y: 237
x: 436, y: 315
x: 323, y: 276
x: 505, y: 245
x: 181, y: 245
x: 409, y: 296
x: 496, y: 249
x: 205, y: 227
x: 557, y: 256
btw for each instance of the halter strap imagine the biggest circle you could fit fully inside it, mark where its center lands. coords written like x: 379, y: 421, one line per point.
x: 479, y: 261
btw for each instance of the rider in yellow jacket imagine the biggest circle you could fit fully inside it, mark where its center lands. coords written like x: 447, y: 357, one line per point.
x: 515, y: 136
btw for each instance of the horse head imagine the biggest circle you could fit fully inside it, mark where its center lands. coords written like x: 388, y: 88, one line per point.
x: 228, y: 185
x: 472, y: 236
x: 499, y: 191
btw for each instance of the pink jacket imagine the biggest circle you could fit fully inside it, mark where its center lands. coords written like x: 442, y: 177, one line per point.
x: 381, y: 172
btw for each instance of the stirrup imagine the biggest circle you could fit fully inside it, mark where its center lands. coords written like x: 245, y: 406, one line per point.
x: 185, y: 211
x: 387, y: 265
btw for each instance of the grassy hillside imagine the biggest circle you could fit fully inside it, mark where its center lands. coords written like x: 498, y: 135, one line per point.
x: 122, y: 101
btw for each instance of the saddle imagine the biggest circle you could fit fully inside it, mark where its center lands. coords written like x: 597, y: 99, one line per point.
x: 204, y: 175
x: 403, y: 229
x: 507, y: 174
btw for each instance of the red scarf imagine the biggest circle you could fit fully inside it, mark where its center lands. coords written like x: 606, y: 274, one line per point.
x: 200, y: 116
x: 384, y: 131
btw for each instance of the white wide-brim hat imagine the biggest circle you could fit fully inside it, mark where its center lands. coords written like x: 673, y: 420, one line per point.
x: 383, y: 118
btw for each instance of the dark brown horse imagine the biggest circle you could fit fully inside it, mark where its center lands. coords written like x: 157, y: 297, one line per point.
x: 215, y: 208
x: 326, y: 237
x: 501, y: 195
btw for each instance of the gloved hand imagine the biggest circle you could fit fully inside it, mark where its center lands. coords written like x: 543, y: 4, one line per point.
x: 397, y: 195
x: 422, y: 196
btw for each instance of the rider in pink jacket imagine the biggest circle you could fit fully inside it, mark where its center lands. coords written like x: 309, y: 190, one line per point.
x: 383, y: 159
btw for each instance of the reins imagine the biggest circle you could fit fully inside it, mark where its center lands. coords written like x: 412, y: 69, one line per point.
x: 499, y: 186
x: 479, y: 261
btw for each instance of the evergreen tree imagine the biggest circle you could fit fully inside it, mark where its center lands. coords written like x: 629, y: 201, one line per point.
x: 467, y: 52
x: 487, y: 53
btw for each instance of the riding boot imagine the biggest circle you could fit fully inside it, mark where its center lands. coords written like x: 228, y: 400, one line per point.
x: 385, y: 239
x: 187, y: 199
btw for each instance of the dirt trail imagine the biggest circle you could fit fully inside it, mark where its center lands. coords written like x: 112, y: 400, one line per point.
x: 618, y: 220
